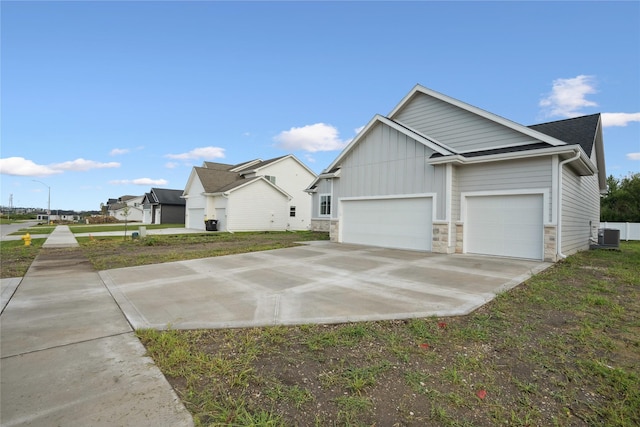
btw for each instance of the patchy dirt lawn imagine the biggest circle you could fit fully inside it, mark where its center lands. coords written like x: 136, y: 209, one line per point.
x: 561, y: 349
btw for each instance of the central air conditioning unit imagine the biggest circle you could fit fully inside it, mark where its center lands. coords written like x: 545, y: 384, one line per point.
x: 609, y: 237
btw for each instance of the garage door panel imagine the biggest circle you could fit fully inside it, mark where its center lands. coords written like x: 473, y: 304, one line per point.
x: 393, y: 223
x: 508, y: 225
x: 196, y: 218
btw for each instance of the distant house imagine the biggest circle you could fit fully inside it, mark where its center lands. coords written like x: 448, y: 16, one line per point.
x: 127, y: 208
x: 258, y: 195
x: 56, y: 216
x: 441, y: 175
x: 163, y: 206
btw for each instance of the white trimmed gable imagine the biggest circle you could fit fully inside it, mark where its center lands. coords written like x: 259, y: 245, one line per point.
x: 439, y: 116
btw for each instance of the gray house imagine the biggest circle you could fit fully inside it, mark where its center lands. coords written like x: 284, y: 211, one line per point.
x: 441, y: 175
x: 163, y: 206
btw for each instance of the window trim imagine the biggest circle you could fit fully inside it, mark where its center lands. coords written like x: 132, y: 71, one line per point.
x: 328, y: 208
x: 292, y: 211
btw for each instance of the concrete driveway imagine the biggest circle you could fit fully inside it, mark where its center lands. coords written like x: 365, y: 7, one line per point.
x: 321, y: 282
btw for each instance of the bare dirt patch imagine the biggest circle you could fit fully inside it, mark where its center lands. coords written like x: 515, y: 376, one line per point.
x: 561, y: 349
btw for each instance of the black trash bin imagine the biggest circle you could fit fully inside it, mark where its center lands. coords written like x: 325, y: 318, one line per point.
x: 211, y: 225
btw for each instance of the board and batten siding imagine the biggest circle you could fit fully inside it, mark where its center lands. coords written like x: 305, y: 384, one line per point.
x: 457, y: 128
x: 257, y: 207
x: 509, y: 175
x: 387, y: 162
x: 580, y: 210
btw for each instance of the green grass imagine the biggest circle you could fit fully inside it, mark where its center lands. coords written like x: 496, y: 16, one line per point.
x: 132, y: 226
x: 36, y: 229
x: 561, y: 349
x: 116, y: 252
x: 15, y: 257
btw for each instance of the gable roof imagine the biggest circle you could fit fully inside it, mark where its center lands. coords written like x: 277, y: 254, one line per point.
x: 419, y: 89
x: 222, y: 178
x: 578, y: 130
x: 406, y: 130
x: 260, y: 164
x: 165, y: 196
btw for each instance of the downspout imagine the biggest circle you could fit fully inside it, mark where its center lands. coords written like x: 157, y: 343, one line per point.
x: 559, y: 227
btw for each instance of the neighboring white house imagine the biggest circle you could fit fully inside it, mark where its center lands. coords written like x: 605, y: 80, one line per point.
x: 441, y: 175
x: 116, y: 208
x: 255, y: 195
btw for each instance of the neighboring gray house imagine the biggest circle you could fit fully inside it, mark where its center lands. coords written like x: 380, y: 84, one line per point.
x: 258, y: 195
x: 441, y: 175
x: 163, y: 206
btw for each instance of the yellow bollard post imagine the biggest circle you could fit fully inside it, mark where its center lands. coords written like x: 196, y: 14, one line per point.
x: 27, y: 239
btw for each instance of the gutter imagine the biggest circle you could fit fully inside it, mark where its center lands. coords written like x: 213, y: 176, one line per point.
x: 460, y: 159
x: 559, y: 205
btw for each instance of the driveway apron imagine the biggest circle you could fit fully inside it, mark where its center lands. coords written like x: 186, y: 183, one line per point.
x: 318, y: 283
x: 68, y: 355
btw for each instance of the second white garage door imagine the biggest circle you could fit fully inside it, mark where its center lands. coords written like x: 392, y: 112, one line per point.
x: 391, y: 223
x: 508, y: 225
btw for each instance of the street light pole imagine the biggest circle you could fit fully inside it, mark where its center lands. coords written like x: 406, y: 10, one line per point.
x: 48, y: 200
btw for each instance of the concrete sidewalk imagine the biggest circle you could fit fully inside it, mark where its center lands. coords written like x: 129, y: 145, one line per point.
x: 61, y: 237
x: 68, y: 355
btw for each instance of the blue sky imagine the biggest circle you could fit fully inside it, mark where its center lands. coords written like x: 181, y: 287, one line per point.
x: 103, y: 99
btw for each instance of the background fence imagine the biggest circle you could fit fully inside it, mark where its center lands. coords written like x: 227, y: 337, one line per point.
x: 628, y: 230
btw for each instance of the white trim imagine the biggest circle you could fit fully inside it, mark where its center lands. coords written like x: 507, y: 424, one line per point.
x: 499, y: 147
x: 544, y: 192
x: 448, y: 200
x: 567, y: 149
x: 432, y: 196
x: 475, y: 110
x: 320, y: 214
x: 392, y: 124
x: 554, y: 189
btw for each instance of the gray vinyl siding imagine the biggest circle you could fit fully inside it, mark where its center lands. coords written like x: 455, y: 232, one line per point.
x: 324, y: 187
x: 580, y: 210
x: 506, y: 175
x: 455, y: 127
x: 388, y: 162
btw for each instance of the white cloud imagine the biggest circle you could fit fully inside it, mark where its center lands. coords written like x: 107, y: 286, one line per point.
x: 208, y: 153
x: 83, y: 165
x: 568, y: 96
x: 171, y: 165
x: 358, y: 130
x: 619, y: 119
x: 633, y: 156
x: 140, y: 181
x: 309, y: 158
x: 19, y: 166
x: 311, y: 138
x: 118, y: 151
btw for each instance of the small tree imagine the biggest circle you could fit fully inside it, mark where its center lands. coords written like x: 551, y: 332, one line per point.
x: 125, y: 214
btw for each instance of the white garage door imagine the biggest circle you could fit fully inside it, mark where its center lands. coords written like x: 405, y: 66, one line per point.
x: 390, y: 223
x: 196, y: 219
x: 508, y: 226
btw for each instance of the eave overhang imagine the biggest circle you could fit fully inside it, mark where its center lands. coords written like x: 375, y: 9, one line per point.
x: 583, y: 165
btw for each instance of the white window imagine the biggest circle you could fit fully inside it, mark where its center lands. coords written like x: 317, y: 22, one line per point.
x: 292, y: 211
x: 271, y: 178
x: 325, y: 204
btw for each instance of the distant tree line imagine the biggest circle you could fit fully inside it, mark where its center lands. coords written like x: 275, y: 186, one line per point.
x: 622, y: 202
